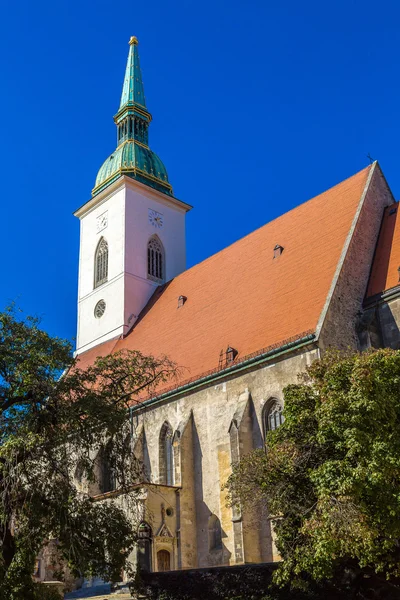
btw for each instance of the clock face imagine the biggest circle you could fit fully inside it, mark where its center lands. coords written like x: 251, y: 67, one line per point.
x: 102, y: 221
x: 100, y: 309
x: 156, y: 219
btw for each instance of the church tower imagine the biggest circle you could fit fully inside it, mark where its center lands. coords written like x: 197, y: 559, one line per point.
x: 132, y: 230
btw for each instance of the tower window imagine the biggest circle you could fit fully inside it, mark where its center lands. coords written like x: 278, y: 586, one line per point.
x: 155, y: 259
x: 101, y: 263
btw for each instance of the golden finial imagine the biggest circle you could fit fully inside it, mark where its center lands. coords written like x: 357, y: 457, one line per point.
x: 133, y: 40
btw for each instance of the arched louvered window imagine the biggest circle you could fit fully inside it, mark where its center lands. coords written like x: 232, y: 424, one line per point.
x: 214, y: 533
x: 155, y: 259
x: 166, y: 462
x: 101, y: 263
x: 273, y: 416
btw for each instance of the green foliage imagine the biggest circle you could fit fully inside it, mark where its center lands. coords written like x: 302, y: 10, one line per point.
x: 331, y: 473
x: 48, y: 426
x: 45, y: 592
x: 240, y: 582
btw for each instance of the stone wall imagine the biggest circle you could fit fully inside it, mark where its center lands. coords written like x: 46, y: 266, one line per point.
x: 389, y: 322
x: 212, y: 428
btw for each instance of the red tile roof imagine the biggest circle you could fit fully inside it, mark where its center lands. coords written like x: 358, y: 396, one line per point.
x: 384, y: 272
x: 243, y: 296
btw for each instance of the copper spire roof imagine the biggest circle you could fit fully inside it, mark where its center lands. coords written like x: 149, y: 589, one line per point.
x: 133, y: 156
x: 132, y: 89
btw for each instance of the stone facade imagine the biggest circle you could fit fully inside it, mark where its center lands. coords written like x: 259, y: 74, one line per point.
x: 213, y: 427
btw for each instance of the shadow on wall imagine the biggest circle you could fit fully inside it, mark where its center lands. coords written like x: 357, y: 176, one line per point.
x: 389, y: 318
x: 383, y: 251
x: 146, y: 458
x: 211, y: 550
x: 258, y: 435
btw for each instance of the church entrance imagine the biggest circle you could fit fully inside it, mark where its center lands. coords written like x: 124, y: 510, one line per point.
x: 163, y: 560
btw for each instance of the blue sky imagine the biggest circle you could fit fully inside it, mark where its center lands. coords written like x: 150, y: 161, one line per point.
x: 257, y: 106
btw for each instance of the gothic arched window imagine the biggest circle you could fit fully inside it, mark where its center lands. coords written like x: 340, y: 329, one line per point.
x: 155, y: 259
x: 214, y: 533
x: 101, y: 263
x: 165, y: 460
x: 273, y: 416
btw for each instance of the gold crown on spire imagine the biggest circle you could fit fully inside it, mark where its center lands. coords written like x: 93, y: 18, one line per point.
x: 133, y: 40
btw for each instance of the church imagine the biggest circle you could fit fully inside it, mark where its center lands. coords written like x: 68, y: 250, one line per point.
x: 242, y: 324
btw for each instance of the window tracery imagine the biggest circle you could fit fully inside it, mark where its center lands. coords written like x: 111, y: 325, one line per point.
x: 273, y: 416
x: 101, y: 263
x: 155, y: 259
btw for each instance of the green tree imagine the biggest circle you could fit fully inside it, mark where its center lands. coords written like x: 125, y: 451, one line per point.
x: 330, y: 475
x: 53, y: 417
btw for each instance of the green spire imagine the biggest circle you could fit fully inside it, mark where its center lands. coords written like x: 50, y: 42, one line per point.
x: 133, y: 91
x: 133, y: 156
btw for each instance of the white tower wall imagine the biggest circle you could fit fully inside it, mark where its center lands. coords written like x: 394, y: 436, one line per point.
x: 124, y: 215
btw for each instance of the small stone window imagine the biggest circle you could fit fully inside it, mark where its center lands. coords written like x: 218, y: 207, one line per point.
x: 101, y: 263
x: 214, y: 533
x: 155, y: 260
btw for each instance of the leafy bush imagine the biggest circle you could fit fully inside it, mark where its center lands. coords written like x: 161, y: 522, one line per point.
x: 46, y: 592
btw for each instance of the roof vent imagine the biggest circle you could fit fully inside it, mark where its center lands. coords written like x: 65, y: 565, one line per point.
x: 231, y: 354
x: 278, y: 250
x: 181, y: 301
x: 227, y: 357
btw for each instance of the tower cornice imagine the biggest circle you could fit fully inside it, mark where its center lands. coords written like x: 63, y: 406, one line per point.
x: 125, y: 181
